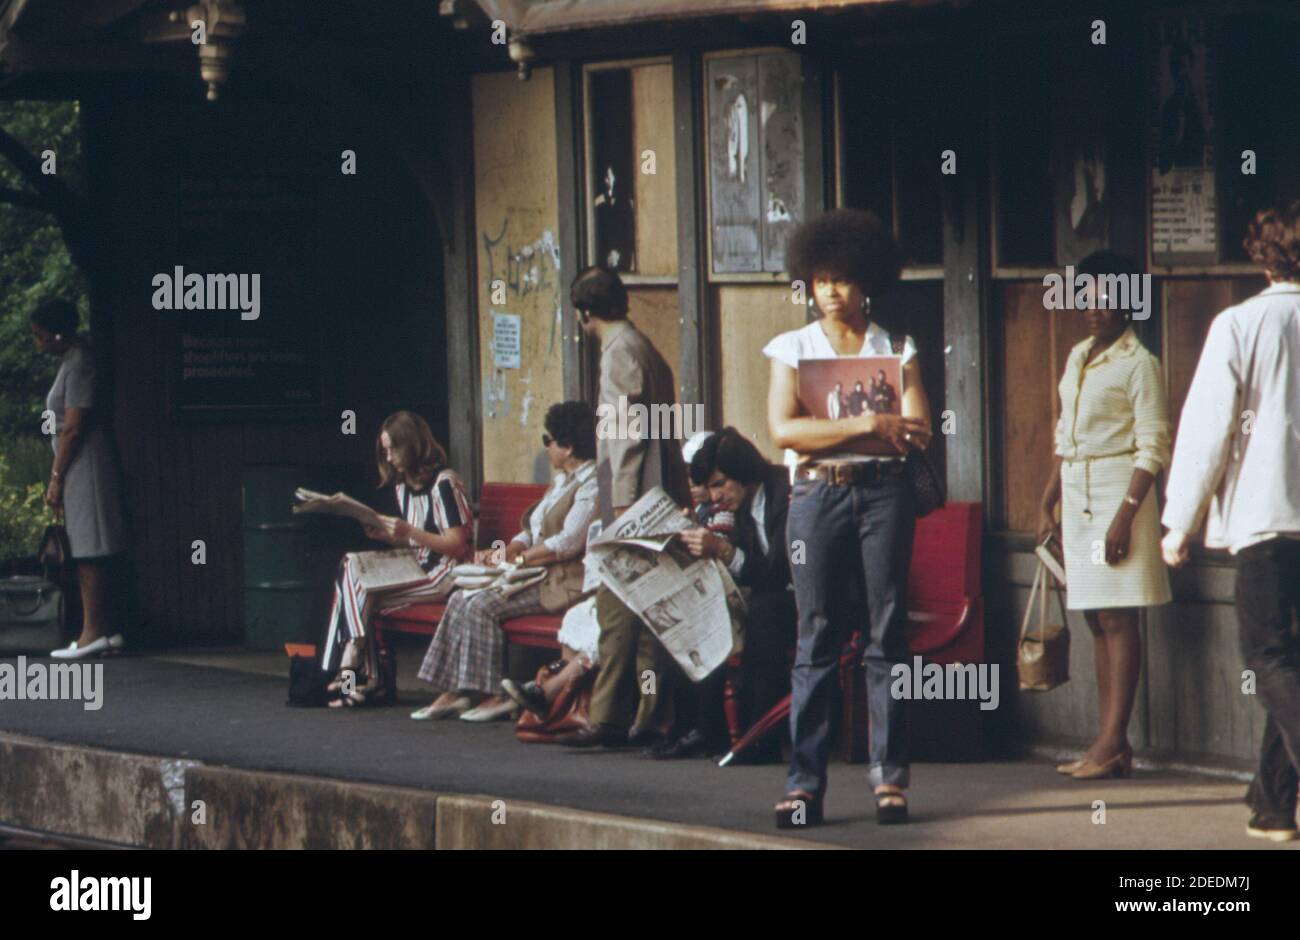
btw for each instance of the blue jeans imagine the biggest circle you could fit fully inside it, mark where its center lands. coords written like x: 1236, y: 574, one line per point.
x: 856, y: 543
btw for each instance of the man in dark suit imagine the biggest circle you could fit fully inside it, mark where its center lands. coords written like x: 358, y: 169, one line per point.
x: 758, y: 493
x: 636, y: 672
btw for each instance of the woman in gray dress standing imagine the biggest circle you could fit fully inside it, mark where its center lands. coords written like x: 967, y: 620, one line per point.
x: 83, y: 480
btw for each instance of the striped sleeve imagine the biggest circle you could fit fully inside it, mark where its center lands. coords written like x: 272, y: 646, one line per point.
x: 450, y: 505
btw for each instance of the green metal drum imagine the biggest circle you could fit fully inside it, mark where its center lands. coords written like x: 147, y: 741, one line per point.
x: 287, y: 557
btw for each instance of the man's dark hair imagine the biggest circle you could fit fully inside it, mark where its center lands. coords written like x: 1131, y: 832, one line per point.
x: 848, y: 243
x: 600, y: 292
x: 57, y: 316
x: 572, y: 424
x: 1273, y: 241
x: 731, y: 453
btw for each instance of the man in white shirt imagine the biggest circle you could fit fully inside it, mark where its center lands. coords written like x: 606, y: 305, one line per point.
x: 1238, y: 452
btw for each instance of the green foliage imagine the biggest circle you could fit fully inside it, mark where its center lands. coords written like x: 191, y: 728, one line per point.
x: 34, y: 262
x: 23, y: 514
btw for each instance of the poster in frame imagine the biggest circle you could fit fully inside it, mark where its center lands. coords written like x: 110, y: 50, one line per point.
x: 1182, y: 199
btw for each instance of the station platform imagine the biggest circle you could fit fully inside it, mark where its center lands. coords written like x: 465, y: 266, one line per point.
x: 198, y: 749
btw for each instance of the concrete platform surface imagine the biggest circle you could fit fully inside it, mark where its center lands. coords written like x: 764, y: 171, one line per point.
x: 228, y: 717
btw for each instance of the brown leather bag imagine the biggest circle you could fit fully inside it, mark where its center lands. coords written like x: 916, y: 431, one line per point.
x: 568, y: 710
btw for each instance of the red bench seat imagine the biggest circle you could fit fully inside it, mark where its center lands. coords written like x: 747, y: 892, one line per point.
x: 500, y: 507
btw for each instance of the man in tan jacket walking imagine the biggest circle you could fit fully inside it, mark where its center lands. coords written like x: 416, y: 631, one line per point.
x: 635, y: 676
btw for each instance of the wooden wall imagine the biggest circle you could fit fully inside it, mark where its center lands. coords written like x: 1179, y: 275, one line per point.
x: 655, y: 193
x: 516, y: 224
x: 376, y: 276
x: 654, y: 312
x: 748, y: 317
x: 1035, y: 345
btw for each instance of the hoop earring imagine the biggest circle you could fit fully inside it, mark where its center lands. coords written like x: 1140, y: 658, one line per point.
x: 866, y: 305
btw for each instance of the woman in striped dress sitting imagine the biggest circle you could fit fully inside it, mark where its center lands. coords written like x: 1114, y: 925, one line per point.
x: 435, y: 522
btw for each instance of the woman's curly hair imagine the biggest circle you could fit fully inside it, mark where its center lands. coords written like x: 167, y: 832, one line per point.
x: 1273, y: 241
x: 848, y: 243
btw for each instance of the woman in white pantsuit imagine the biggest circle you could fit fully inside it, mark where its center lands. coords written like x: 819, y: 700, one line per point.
x: 1111, y: 441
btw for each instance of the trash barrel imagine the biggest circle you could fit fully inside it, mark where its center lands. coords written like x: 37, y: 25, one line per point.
x: 288, y: 558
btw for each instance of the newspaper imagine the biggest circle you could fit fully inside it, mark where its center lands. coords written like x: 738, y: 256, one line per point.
x: 340, y: 504
x: 685, y: 601
x: 389, y: 569
x: 507, y: 578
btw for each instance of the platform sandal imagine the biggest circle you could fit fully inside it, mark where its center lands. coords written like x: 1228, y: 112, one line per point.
x: 891, y: 807
x: 799, y: 808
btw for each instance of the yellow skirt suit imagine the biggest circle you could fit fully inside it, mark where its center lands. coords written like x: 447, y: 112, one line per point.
x: 1114, y: 417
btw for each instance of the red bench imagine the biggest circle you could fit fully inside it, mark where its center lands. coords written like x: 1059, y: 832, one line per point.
x: 500, y: 507
x: 945, y: 625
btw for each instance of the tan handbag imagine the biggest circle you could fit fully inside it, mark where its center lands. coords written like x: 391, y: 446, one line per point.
x: 1043, y: 661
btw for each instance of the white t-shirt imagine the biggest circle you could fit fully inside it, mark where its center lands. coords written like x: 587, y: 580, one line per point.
x: 810, y: 342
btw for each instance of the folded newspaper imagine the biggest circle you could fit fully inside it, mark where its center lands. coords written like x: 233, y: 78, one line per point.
x: 395, y: 568
x: 686, y: 602
x: 508, y: 579
x: 339, y: 504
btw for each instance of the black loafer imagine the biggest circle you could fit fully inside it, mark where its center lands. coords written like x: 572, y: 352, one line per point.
x: 599, y: 736
x: 644, y: 738
x: 692, y: 744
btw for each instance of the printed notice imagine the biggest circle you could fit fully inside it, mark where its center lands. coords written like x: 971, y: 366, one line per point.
x: 505, y: 340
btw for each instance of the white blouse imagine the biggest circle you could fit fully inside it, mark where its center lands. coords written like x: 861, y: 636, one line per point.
x: 571, y: 540
x: 810, y: 342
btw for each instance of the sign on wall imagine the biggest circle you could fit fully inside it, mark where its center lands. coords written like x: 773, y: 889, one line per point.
x: 237, y: 305
x: 1184, y: 205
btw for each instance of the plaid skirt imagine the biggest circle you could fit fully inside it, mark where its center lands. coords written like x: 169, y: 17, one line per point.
x: 467, y: 651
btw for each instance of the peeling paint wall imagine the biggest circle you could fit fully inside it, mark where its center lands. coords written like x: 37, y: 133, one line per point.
x: 520, y: 271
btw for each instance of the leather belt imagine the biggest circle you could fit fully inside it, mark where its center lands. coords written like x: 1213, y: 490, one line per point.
x: 850, y: 474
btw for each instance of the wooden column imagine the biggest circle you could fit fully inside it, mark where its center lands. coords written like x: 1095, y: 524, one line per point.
x: 579, y: 376
x: 464, y: 383
x: 697, y: 378
x: 965, y: 292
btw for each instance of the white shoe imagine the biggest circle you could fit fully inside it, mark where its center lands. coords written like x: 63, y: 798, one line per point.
x: 93, y: 648
x: 432, y: 713
x: 497, y: 712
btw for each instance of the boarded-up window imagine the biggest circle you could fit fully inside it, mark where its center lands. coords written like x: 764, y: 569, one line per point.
x: 755, y: 159
x: 631, y: 170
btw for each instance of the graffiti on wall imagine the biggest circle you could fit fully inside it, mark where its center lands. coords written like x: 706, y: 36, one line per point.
x: 525, y: 275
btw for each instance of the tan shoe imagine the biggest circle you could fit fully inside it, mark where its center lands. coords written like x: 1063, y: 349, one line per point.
x: 1069, y: 767
x: 1121, y: 765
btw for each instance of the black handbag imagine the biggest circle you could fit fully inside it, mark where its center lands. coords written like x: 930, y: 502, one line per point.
x: 55, y: 550
x: 307, y: 683
x: 927, y: 492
